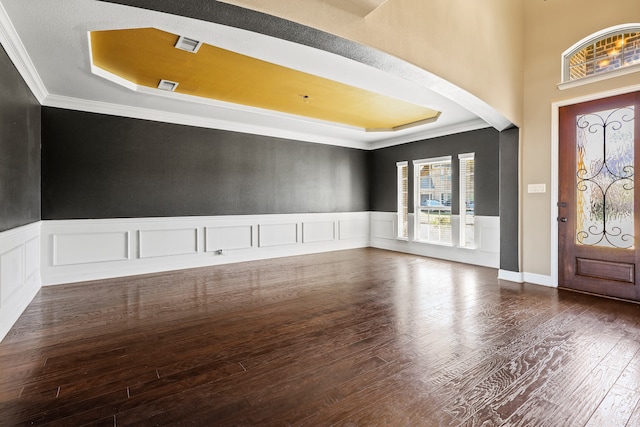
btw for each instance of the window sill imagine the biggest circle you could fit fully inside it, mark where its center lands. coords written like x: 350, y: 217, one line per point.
x: 599, y: 77
x: 426, y: 242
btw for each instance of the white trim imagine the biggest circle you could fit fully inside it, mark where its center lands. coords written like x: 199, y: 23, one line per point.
x: 555, y: 144
x: 20, y: 278
x: 400, y: 195
x: 599, y: 77
x: 85, y: 105
x: 462, y: 196
x: 539, y: 279
x: 169, y: 254
x: 510, y: 276
x: 431, y: 133
x: 417, y: 199
x: 432, y: 160
x: 18, y: 54
x: 99, y: 107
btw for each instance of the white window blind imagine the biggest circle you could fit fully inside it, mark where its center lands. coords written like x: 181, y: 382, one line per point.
x: 403, y: 200
x: 432, y: 190
x: 467, y: 200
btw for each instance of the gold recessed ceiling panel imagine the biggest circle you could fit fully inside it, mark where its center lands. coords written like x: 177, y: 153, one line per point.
x: 145, y: 56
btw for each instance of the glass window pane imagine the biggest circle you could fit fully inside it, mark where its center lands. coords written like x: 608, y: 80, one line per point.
x: 632, y: 48
x: 433, y: 201
x: 467, y: 201
x: 403, y: 200
x: 608, y: 53
x: 604, y: 178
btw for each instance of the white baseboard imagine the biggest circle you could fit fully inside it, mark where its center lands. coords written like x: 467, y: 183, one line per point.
x: 536, y: 279
x: 511, y: 276
x: 539, y: 279
x: 19, y: 272
x: 81, y: 250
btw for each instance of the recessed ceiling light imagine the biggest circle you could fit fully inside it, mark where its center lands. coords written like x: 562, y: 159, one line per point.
x: 167, y: 85
x: 190, y: 45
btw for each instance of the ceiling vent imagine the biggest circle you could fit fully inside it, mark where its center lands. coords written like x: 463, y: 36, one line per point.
x: 167, y: 85
x: 190, y: 45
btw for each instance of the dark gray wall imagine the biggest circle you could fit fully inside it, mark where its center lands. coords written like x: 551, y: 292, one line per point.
x: 509, y: 149
x: 19, y: 149
x: 99, y: 166
x: 483, y: 142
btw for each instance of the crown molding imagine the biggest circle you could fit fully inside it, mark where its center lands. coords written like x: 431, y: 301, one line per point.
x: 18, y: 54
x: 431, y: 133
x: 85, y: 105
x: 68, y: 103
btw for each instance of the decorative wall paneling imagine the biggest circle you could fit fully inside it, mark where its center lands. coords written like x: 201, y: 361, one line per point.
x: 384, y: 226
x: 79, y: 250
x: 19, y: 272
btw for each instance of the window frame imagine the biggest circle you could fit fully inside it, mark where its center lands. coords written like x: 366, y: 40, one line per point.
x: 418, y: 209
x: 566, y: 56
x: 462, y: 197
x: 402, y: 202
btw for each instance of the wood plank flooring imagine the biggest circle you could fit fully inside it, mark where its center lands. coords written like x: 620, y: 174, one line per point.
x: 350, y: 338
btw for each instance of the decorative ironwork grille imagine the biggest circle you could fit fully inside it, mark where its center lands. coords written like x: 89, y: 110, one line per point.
x: 605, y: 175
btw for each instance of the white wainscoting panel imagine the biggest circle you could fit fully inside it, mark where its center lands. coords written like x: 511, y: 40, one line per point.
x: 32, y: 258
x: 77, y: 248
x: 19, y: 272
x: 383, y: 228
x: 81, y: 250
x: 486, y: 252
x: 277, y: 234
x: 353, y: 229
x: 487, y: 234
x: 318, y: 231
x: 162, y: 243
x: 12, y: 272
x: 228, y: 238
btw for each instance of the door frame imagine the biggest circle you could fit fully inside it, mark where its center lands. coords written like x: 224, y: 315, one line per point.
x: 555, y: 165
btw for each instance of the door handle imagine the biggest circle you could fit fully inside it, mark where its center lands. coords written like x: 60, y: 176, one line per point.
x: 562, y: 219
x: 562, y: 204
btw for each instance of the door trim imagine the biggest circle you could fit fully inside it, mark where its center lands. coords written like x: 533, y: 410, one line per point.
x: 555, y: 143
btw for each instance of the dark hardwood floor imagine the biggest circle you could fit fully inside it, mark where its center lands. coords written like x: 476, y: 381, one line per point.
x: 350, y: 338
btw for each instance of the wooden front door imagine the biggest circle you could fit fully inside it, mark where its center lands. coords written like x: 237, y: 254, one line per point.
x: 598, y: 201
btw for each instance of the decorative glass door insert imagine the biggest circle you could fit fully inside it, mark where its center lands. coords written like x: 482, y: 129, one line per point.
x: 605, y: 178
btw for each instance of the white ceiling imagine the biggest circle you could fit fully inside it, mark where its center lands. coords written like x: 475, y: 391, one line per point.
x: 48, y: 42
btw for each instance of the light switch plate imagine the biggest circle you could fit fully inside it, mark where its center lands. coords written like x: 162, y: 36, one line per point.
x: 537, y: 188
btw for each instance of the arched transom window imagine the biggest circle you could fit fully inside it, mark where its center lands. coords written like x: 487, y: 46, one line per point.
x: 605, y: 51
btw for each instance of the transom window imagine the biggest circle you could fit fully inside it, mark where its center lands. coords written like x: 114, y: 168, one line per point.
x: 608, y: 50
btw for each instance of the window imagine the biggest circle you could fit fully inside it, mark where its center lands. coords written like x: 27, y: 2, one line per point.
x: 467, y: 200
x: 605, y: 51
x: 432, y: 199
x: 403, y: 200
